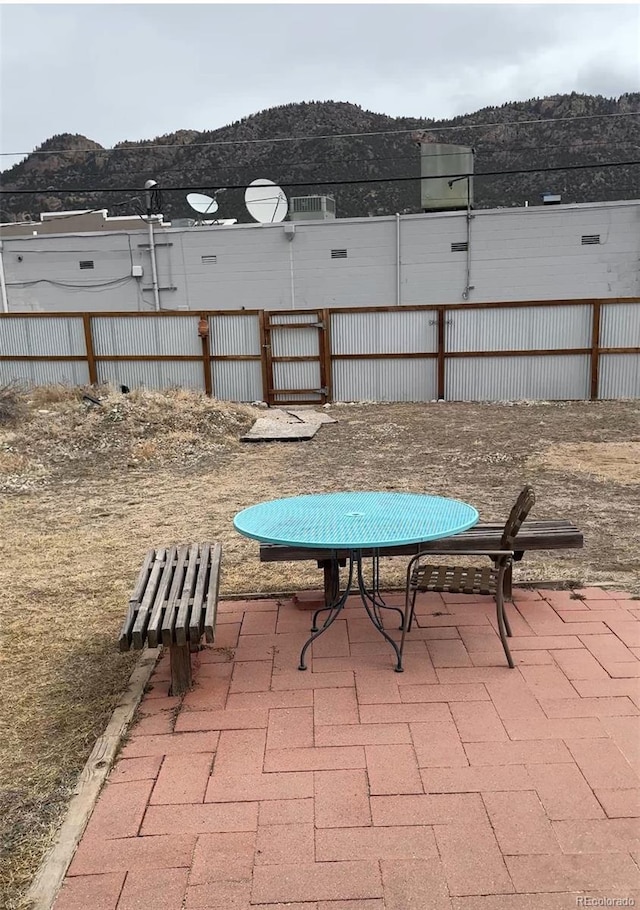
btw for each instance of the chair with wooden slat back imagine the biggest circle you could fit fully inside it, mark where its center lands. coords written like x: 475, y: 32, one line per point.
x: 521, y: 508
x: 468, y: 579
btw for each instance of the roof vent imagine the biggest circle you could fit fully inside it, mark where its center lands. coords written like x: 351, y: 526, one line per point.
x: 589, y: 239
x: 338, y: 254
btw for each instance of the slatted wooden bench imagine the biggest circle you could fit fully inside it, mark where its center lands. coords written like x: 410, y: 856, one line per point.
x: 556, y: 534
x: 173, y: 604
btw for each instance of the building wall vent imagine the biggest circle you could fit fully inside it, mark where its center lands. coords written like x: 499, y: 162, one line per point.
x: 86, y: 263
x: 589, y: 239
x: 461, y: 247
x: 338, y: 254
x: 209, y: 260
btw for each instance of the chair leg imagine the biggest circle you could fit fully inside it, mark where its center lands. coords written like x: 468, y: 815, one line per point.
x: 408, y: 618
x: 413, y: 605
x: 508, y: 583
x: 507, y: 593
x: 501, y: 625
x: 506, y: 621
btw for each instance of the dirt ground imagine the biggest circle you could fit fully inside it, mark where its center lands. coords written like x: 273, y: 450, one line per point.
x: 83, y: 503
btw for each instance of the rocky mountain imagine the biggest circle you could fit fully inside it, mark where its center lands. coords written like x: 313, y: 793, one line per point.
x: 564, y: 132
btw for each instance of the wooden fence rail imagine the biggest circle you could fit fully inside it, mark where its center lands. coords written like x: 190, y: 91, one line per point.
x: 326, y: 356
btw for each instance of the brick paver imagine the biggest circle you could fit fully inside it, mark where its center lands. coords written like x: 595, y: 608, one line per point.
x: 520, y: 823
x: 472, y: 860
x: 100, y: 892
x: 182, y: 782
x: 457, y: 785
x: 414, y: 885
x: 162, y: 889
x: 223, y: 857
x: 438, y: 745
x: 341, y: 799
x: 120, y: 809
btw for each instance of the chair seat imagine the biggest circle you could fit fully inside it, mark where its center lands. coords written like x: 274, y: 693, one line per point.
x: 455, y: 579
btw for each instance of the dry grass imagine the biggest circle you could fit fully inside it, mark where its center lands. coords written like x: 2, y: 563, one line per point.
x: 61, y: 431
x: 617, y: 461
x: 11, y: 404
x: 171, y: 469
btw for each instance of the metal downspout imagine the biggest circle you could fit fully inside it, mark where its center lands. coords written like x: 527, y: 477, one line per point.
x: 3, y: 284
x: 398, y: 263
x: 154, y: 265
x: 468, y: 286
x: 292, y: 276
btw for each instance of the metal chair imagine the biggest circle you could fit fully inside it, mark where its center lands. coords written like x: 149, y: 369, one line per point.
x: 489, y: 580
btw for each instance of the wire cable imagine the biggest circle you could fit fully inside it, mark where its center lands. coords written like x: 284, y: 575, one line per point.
x: 422, y: 129
x: 327, y: 182
x: 483, y: 151
x: 98, y: 285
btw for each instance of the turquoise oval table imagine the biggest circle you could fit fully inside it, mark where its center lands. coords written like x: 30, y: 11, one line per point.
x: 355, y: 522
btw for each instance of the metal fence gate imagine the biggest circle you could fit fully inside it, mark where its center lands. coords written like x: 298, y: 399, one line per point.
x: 296, y: 353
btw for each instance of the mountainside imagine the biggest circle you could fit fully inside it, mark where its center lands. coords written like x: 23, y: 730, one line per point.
x: 503, y: 141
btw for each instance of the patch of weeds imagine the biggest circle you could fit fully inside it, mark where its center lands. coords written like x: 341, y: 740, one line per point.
x: 229, y: 653
x: 12, y: 404
x: 174, y: 715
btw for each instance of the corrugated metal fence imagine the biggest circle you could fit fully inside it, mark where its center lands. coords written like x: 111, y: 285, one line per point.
x: 557, y: 350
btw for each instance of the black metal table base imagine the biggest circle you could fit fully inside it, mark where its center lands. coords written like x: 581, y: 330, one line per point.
x: 373, y: 604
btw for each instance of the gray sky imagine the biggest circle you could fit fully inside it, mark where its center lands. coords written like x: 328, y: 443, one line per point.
x: 115, y: 72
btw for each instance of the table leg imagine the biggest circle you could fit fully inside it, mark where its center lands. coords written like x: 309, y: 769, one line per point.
x: 332, y: 592
x: 334, y: 610
x: 372, y: 604
x: 373, y: 611
x: 331, y: 587
x: 376, y: 598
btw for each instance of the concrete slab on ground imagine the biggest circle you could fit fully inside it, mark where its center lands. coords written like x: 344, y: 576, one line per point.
x: 265, y: 429
x: 281, y: 414
x: 291, y: 425
x: 310, y: 415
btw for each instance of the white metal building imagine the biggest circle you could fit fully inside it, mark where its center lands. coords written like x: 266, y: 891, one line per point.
x: 560, y: 252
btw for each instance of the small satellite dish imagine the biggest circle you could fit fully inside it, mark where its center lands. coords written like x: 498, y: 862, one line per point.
x: 266, y: 202
x: 205, y: 205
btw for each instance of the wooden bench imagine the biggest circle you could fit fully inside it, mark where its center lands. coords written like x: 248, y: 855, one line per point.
x: 557, y: 534
x: 174, y: 603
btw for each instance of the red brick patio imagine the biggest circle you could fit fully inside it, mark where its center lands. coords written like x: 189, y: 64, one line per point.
x: 456, y: 785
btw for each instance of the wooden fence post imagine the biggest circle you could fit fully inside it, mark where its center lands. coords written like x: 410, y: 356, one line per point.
x: 326, y: 365
x: 91, y: 356
x: 264, y: 358
x: 203, y: 331
x: 595, y: 349
x: 441, y: 343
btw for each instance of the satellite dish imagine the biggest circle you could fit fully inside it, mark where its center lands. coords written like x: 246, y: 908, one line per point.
x: 266, y: 202
x: 205, y: 205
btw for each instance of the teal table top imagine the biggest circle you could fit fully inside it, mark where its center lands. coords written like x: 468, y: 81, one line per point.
x: 355, y: 520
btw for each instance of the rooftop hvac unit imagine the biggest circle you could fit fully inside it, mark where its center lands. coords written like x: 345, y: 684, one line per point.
x: 447, y: 175
x: 312, y: 208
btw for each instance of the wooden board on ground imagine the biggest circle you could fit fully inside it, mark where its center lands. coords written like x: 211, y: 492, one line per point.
x: 267, y: 430
x: 310, y: 415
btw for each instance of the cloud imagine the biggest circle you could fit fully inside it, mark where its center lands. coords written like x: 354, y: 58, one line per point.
x: 115, y: 72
